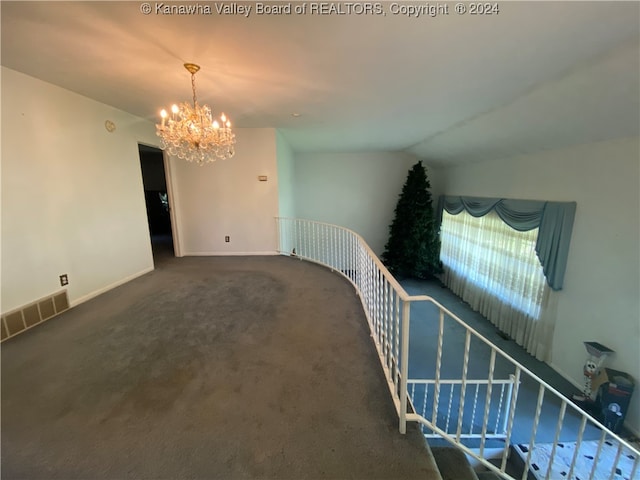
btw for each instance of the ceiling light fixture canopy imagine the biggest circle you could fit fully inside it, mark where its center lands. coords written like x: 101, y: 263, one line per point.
x: 191, y: 132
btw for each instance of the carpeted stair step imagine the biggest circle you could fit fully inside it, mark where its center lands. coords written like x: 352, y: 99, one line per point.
x: 514, y: 468
x: 453, y: 464
x: 488, y: 475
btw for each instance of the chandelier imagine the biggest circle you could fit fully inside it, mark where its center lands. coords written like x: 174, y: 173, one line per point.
x: 191, y: 132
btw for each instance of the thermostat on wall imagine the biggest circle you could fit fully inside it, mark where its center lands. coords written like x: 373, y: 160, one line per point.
x: 262, y: 178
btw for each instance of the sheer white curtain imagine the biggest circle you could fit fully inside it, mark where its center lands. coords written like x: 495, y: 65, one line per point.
x: 495, y: 269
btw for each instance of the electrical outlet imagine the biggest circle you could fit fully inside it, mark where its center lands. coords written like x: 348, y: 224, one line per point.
x: 227, y: 239
x: 64, y: 279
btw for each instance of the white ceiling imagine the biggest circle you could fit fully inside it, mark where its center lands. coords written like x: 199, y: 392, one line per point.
x: 451, y: 88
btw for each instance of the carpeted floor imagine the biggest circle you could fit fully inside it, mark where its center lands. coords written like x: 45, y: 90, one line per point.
x: 216, y: 367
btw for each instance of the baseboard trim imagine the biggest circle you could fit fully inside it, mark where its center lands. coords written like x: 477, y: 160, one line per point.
x: 111, y: 286
x: 568, y: 378
x: 231, y: 254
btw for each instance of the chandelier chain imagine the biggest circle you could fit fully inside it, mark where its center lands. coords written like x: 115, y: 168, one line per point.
x: 193, y: 87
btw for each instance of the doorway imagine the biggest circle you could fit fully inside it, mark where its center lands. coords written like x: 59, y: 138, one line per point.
x: 156, y: 197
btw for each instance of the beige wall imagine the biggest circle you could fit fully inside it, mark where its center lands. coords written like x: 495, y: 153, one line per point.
x: 599, y: 301
x: 286, y: 203
x: 358, y: 191
x: 72, y: 196
x: 225, y: 198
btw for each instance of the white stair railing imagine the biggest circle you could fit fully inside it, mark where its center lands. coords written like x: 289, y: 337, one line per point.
x: 491, y: 397
x: 473, y: 405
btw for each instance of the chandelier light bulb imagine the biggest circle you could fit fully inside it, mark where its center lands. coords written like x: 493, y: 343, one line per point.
x: 192, y: 133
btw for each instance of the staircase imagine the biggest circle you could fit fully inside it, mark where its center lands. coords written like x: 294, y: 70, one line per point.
x: 453, y: 464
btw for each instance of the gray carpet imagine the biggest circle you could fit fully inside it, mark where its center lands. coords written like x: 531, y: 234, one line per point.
x: 212, y: 367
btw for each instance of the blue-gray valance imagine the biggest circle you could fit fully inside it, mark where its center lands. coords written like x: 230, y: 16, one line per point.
x: 553, y: 219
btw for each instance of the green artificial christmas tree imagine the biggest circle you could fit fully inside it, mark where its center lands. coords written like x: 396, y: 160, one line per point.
x: 413, y: 249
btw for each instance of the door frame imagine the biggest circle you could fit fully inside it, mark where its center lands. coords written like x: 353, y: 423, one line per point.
x: 168, y: 176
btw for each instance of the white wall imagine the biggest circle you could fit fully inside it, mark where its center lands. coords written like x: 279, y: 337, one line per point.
x: 599, y: 301
x: 72, y: 196
x: 225, y: 198
x: 286, y: 204
x: 354, y: 190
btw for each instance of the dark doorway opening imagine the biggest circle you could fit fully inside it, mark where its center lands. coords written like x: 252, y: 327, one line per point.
x: 156, y: 197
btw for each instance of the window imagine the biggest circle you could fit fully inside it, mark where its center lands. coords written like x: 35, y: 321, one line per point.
x: 490, y: 255
x: 510, y: 276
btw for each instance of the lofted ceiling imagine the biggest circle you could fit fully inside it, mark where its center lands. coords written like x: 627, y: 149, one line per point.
x: 448, y: 88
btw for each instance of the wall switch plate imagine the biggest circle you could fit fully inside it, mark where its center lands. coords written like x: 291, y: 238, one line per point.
x: 227, y: 239
x: 64, y: 279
